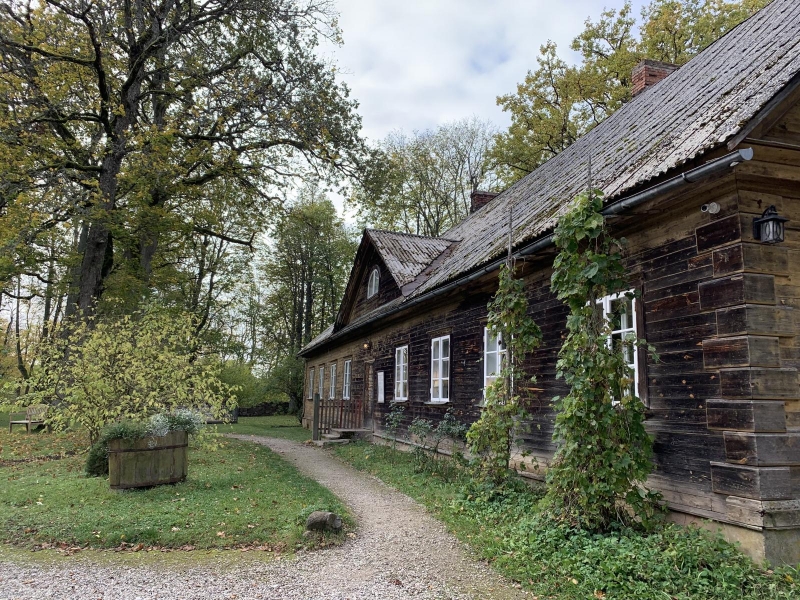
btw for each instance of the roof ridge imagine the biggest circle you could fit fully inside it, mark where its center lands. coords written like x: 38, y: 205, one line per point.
x: 417, y: 235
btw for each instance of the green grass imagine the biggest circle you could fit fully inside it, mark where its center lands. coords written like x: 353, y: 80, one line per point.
x: 554, y: 562
x: 240, y: 494
x: 281, y: 426
x: 20, y: 445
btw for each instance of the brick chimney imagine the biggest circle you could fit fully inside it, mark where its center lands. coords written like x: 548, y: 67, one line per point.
x: 478, y: 198
x: 648, y: 73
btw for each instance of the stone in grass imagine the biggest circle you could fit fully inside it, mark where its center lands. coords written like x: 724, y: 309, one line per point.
x: 321, y: 520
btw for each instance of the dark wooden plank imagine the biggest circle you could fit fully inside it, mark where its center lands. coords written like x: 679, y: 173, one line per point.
x: 749, y: 288
x: 746, y: 415
x: 755, y: 319
x: 682, y: 277
x: 759, y: 384
x: 762, y: 449
x: 728, y: 260
x: 760, y: 483
x: 718, y: 233
x: 672, y: 306
x: 741, y: 351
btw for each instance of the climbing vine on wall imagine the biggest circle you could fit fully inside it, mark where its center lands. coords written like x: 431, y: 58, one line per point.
x: 491, y: 437
x: 596, y: 480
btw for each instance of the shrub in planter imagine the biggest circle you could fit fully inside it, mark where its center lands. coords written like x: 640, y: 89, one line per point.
x: 144, y: 453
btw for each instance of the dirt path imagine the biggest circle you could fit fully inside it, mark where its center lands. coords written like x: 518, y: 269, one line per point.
x: 399, y: 552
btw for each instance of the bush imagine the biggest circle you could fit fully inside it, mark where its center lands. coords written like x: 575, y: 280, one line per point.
x: 429, y: 439
x: 158, y: 425
x: 250, y: 390
x: 558, y: 560
x: 122, y: 368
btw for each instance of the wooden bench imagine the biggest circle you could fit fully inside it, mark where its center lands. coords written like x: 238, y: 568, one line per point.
x: 33, y: 416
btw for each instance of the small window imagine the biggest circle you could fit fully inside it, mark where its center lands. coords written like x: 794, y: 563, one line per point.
x: 332, y: 390
x: 311, y: 383
x: 401, y: 374
x: 620, y: 311
x: 321, y: 382
x: 372, y: 284
x: 440, y: 369
x: 346, y: 380
x: 494, y: 353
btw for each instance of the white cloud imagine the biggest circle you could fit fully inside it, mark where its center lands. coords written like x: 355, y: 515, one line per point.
x: 415, y: 64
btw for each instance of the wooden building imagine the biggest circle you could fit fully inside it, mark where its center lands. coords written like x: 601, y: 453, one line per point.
x: 685, y: 168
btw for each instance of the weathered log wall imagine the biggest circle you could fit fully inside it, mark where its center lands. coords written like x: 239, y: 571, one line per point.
x: 718, y: 307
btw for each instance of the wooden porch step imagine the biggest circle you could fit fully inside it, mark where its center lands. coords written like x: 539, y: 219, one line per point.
x: 328, y: 442
x: 342, y: 430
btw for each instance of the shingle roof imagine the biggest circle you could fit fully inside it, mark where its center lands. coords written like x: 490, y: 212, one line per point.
x: 406, y: 255
x: 694, y: 110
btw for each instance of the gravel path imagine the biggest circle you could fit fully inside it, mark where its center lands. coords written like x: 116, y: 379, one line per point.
x: 398, y: 552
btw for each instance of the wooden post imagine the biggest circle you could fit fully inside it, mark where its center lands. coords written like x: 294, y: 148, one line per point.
x: 315, y: 423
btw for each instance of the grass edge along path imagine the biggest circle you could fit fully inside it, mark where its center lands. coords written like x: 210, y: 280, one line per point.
x: 237, y: 495
x: 674, y: 563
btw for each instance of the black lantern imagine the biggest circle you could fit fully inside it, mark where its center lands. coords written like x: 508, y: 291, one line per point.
x: 770, y: 227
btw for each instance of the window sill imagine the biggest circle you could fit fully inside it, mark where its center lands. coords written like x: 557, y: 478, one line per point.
x: 436, y: 402
x: 398, y: 400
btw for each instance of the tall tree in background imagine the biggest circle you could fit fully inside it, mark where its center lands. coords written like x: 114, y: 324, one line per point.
x: 117, y: 116
x: 422, y: 183
x: 558, y: 102
x: 304, y: 273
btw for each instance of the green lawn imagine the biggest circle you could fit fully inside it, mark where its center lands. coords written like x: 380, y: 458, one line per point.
x: 19, y: 445
x: 238, y: 494
x: 553, y: 562
x: 282, y: 426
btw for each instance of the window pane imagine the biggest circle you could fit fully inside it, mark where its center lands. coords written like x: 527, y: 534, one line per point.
x: 445, y: 388
x: 435, y: 393
x: 622, y: 313
x: 491, y: 342
x: 445, y: 348
x: 491, y: 364
x: 435, y: 349
x: 435, y: 369
x: 628, y: 347
x: 445, y: 367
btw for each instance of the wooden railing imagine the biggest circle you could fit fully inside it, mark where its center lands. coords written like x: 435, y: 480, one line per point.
x: 336, y: 413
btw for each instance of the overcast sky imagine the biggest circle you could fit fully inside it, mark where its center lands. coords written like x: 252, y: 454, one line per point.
x: 415, y: 64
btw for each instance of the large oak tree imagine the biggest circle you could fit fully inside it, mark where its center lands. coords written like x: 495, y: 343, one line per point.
x: 123, y: 121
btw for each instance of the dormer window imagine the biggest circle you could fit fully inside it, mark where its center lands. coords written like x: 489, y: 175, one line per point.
x: 372, y: 284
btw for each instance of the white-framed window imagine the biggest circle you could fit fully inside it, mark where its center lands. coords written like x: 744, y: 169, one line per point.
x: 401, y: 374
x: 321, y: 382
x: 372, y: 284
x: 440, y: 369
x: 494, y: 353
x: 332, y: 390
x: 346, y: 380
x: 311, y: 383
x: 620, y: 311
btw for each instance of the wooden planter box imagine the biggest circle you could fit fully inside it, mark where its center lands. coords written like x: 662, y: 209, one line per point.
x: 143, y: 463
